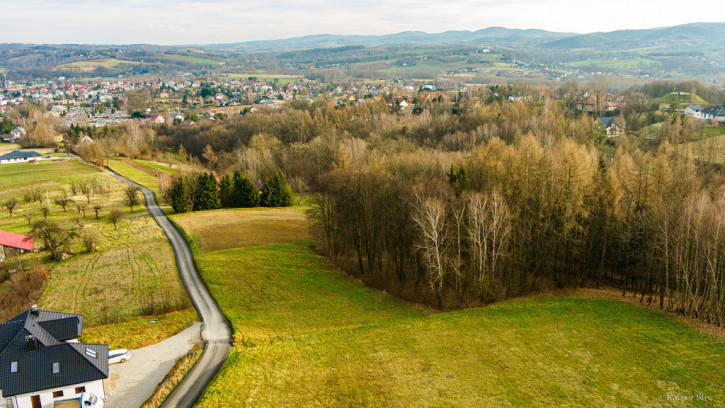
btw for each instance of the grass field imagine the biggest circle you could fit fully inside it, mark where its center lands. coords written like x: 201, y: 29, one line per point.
x: 236, y: 228
x: 142, y: 172
x: 620, y: 63
x: 195, y: 60
x: 281, y: 78
x: 13, y: 176
x: 683, y: 99
x: 93, y: 64
x: 130, y: 279
x: 308, y: 335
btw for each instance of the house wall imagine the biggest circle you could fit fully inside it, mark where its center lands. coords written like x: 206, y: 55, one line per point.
x: 22, y: 160
x: 46, y: 396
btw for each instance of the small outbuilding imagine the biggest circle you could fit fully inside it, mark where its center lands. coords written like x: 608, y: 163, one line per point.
x: 14, y: 244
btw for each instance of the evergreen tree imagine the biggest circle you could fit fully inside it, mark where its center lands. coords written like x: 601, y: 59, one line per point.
x: 276, y: 192
x: 207, y: 193
x: 245, y: 194
x: 226, y: 191
x: 180, y: 196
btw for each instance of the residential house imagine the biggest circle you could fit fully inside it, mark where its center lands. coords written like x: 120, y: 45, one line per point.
x: 157, y: 119
x: 716, y: 114
x: 20, y: 156
x: 612, y: 125
x: 41, y: 360
x: 14, y: 244
x: 694, y: 111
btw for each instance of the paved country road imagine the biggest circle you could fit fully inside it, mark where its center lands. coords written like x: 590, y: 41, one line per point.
x: 216, y: 331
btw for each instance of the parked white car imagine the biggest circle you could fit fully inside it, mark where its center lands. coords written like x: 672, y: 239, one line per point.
x: 118, y: 356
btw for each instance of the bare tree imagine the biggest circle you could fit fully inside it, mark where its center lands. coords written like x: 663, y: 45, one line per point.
x: 132, y: 197
x: 97, y: 208
x: 114, y: 216
x: 10, y: 204
x: 429, y: 217
x: 63, y: 200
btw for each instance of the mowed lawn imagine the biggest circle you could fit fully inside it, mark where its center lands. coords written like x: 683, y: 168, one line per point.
x: 307, y: 335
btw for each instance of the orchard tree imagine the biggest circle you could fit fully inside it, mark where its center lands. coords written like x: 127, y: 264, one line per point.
x: 114, y: 216
x: 132, y: 197
x: 11, y: 204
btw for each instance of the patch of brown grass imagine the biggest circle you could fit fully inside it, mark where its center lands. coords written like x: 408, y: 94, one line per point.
x: 140, y: 331
x: 22, y: 290
x: 237, y: 228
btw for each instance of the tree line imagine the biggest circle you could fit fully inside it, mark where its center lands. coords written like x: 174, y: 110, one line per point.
x: 202, y: 192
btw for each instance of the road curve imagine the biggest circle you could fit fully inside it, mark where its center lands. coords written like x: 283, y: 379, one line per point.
x: 216, y: 331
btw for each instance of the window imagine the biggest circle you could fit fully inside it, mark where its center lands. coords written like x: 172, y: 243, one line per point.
x: 57, y: 394
x: 14, y: 367
x: 56, y: 368
x: 91, y: 353
x: 80, y: 390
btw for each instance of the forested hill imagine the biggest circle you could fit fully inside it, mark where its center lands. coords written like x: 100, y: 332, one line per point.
x: 491, y: 35
x: 691, y: 37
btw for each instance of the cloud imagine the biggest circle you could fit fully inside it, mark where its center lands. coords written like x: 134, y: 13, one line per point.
x: 217, y: 21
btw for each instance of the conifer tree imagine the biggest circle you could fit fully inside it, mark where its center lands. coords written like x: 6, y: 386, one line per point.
x: 207, y: 192
x: 226, y: 191
x: 276, y: 192
x: 180, y: 196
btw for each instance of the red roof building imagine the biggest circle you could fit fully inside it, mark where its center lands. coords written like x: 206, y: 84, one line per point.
x: 8, y: 239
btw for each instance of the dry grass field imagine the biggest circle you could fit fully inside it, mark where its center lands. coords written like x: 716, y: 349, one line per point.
x: 128, y: 281
x: 237, y: 228
x: 308, y: 335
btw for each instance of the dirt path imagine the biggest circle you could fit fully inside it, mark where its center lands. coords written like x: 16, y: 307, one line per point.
x: 132, y: 382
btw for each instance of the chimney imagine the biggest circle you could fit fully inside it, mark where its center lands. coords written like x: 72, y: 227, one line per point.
x: 32, y: 343
x: 34, y: 310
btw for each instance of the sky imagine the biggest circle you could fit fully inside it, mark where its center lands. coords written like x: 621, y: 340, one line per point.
x: 176, y: 22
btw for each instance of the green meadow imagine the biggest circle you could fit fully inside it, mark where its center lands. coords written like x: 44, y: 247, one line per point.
x: 308, y: 335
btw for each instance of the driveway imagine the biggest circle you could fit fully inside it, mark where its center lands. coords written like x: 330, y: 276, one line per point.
x: 216, y: 330
x: 133, y: 382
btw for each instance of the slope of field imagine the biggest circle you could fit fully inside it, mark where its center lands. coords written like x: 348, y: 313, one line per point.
x: 195, y: 60
x: 307, y: 335
x: 93, y: 64
x: 236, y: 228
x: 129, y: 280
x: 142, y: 172
x: 23, y: 174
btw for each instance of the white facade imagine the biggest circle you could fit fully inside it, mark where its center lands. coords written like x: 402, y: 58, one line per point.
x: 47, y: 398
x: 20, y: 160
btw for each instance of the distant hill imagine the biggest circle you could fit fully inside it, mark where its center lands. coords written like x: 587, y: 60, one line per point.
x: 491, y: 35
x: 689, y: 37
x: 698, y: 37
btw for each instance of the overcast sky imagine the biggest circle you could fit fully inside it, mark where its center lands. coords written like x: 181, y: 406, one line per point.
x: 222, y: 21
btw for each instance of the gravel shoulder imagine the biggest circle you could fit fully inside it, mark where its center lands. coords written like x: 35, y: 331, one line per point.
x: 134, y: 381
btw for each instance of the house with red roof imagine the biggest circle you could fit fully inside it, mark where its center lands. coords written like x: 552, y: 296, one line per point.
x: 13, y: 244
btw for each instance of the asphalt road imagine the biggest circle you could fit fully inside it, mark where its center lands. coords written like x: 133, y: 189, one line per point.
x: 216, y: 331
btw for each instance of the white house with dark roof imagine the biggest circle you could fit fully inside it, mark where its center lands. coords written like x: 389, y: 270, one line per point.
x: 716, y: 114
x: 41, y: 360
x: 612, y: 125
x: 20, y: 156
